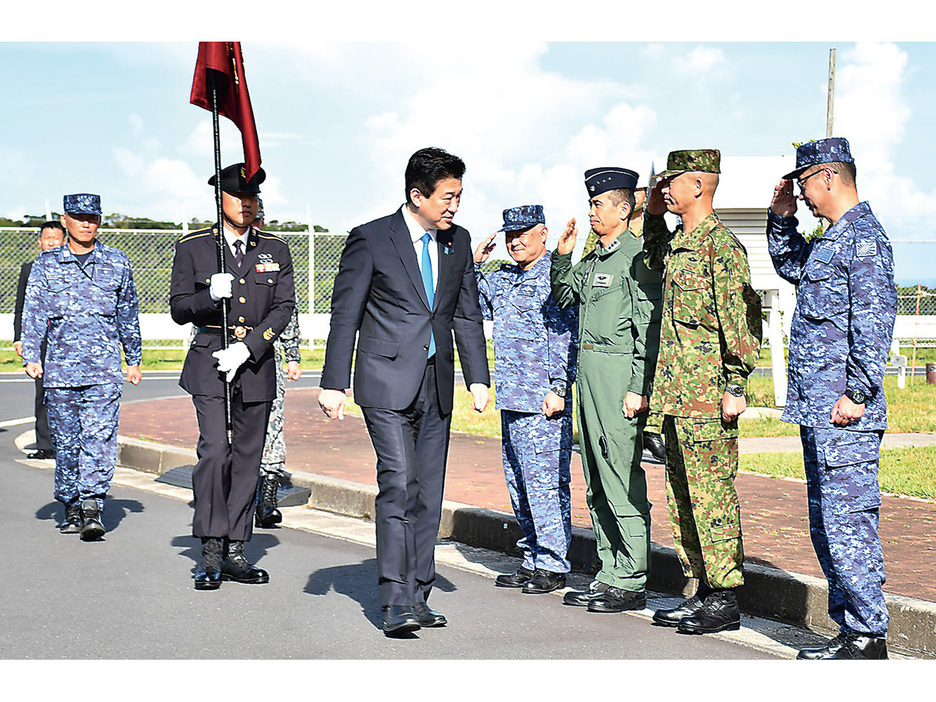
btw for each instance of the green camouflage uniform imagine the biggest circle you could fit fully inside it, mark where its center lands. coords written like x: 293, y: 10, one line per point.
x: 709, y: 337
x: 619, y: 317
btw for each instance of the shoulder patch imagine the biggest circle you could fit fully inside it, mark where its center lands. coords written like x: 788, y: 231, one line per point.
x: 864, y: 249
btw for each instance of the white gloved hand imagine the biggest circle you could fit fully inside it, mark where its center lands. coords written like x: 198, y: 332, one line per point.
x: 221, y: 286
x: 232, y: 358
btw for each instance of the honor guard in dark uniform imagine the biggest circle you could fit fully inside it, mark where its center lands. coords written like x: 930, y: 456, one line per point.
x: 258, y: 281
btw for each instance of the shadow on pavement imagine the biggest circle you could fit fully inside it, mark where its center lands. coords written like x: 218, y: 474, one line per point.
x: 358, y: 581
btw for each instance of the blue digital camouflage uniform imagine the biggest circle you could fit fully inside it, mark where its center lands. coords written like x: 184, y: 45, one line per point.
x: 839, y: 338
x: 534, y: 353
x: 91, y: 310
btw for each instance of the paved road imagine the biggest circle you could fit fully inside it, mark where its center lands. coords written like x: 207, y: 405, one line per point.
x: 131, y: 597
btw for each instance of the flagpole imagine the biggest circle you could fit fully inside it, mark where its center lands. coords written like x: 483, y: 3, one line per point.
x: 221, y: 265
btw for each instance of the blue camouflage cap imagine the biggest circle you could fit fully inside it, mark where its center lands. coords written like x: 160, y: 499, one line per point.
x: 812, y: 153
x: 522, y: 217
x: 82, y: 203
x: 600, y: 180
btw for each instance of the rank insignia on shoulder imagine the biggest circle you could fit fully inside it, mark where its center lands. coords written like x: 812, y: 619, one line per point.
x: 268, y: 334
x: 865, y: 249
x: 602, y: 280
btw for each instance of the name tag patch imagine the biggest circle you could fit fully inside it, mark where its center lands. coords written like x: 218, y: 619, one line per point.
x: 602, y: 280
x: 825, y: 255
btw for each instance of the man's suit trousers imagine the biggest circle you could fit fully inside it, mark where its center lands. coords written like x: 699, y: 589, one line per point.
x: 225, y: 479
x: 412, y: 449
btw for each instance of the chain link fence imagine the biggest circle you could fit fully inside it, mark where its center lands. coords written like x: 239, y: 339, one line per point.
x: 151, y: 253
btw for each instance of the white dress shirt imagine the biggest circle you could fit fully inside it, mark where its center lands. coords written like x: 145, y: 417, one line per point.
x: 416, y: 233
x: 230, y: 237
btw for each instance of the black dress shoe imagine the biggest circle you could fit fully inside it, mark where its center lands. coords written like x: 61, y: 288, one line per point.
x: 91, y: 527
x: 543, y: 581
x: 72, y: 523
x: 654, y: 444
x: 236, y: 567
x: 427, y: 617
x: 848, y: 645
x: 617, y: 600
x: 581, y: 598
x: 41, y: 455
x: 399, y: 619
x: 208, y: 576
x: 719, y: 612
x: 672, y: 617
x: 515, y: 580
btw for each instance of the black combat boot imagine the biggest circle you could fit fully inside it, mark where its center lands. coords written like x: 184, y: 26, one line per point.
x: 91, y: 527
x: 514, y: 579
x: 235, y: 567
x: 672, y: 617
x: 654, y: 444
x: 848, y: 645
x: 719, y: 612
x: 267, y: 515
x: 72, y: 523
x: 543, y: 581
x: 208, y: 577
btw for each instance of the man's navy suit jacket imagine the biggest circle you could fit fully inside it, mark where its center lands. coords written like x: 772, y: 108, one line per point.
x: 379, y: 294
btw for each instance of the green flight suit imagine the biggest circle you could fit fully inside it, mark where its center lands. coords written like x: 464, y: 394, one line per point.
x: 619, y: 302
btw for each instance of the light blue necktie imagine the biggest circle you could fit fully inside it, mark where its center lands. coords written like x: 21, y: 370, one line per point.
x: 430, y: 288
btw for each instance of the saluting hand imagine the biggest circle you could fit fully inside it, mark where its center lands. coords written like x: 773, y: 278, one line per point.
x: 656, y: 205
x: 784, y: 201
x: 569, y: 237
x: 484, y: 249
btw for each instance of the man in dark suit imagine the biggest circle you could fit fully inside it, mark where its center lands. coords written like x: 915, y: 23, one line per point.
x: 405, y: 284
x: 258, y: 281
x: 51, y: 235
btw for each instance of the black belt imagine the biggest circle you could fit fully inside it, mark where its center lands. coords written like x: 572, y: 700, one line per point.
x: 237, y: 332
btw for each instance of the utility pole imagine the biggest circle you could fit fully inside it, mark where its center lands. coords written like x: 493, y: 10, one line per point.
x: 831, y: 98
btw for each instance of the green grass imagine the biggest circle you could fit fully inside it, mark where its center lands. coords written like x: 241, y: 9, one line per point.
x: 903, y: 471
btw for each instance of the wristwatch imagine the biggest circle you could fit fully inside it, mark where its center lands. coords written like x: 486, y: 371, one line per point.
x: 735, y: 390
x: 856, y: 396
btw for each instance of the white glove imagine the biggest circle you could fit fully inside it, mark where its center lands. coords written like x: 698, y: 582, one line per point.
x: 232, y: 358
x: 221, y: 286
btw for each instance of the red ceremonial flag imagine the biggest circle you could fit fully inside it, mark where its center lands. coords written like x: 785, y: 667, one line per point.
x: 225, y: 59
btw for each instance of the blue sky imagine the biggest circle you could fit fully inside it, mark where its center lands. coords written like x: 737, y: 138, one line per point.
x: 528, y: 110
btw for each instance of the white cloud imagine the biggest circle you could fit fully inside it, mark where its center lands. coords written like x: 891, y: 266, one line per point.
x: 871, y: 111
x: 525, y: 133
x: 699, y: 63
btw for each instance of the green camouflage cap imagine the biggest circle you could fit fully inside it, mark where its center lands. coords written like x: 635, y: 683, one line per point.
x: 694, y: 160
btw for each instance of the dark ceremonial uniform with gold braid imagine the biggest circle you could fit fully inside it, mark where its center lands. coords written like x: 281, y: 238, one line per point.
x: 225, y: 478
